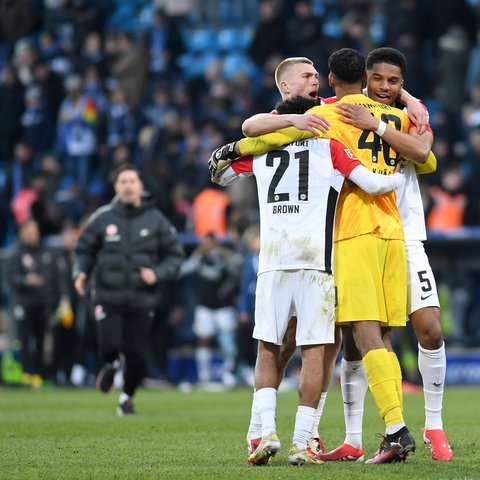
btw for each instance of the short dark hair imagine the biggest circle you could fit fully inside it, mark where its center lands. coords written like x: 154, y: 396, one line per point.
x: 387, y: 55
x: 296, y: 104
x: 347, y: 64
x: 123, y: 167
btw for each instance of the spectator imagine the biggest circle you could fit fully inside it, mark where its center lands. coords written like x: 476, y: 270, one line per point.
x: 305, y: 34
x: 18, y: 19
x: 11, y: 109
x: 269, y: 37
x: 38, y: 121
x: 210, y: 212
x: 20, y: 169
x: 32, y: 202
x: 24, y: 59
x: 471, y: 174
x: 76, y: 135
x: 64, y: 331
x: 129, y: 68
x: 448, y: 200
x: 91, y: 53
x: 166, y: 45
x: 247, y: 346
x: 51, y: 85
x: 31, y: 277
x: 453, y: 47
x: 215, y: 272
x: 181, y: 198
x: 120, y: 122
x: 93, y: 87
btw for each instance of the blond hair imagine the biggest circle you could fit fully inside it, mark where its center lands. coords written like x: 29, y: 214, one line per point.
x: 283, y: 67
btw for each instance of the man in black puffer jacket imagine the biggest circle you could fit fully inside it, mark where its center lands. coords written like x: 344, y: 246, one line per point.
x: 126, y: 250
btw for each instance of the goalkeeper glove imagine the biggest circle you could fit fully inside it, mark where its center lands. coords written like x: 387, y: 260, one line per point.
x: 221, y: 158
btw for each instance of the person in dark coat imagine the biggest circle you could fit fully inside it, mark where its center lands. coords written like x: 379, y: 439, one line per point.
x: 127, y: 250
x: 31, y: 274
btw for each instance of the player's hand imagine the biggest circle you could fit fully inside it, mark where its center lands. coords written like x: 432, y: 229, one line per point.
x: 311, y: 122
x: 417, y: 113
x: 220, y: 158
x: 357, y: 115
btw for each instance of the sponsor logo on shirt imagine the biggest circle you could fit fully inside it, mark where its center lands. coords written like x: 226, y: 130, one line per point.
x: 111, y: 233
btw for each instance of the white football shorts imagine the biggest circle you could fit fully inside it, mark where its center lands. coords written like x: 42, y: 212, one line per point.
x: 207, y: 322
x: 307, y: 294
x: 421, y: 288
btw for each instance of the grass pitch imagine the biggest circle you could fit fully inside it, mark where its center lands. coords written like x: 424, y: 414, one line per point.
x: 75, y: 434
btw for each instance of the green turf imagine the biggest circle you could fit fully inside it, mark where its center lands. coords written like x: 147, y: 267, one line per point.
x: 75, y: 434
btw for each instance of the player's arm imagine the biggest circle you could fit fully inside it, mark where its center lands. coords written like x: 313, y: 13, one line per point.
x: 375, y: 183
x: 429, y: 166
x: 414, y: 147
x: 266, y: 122
x: 234, y: 171
x: 223, y: 156
x: 416, y: 111
x: 351, y: 167
x: 271, y: 141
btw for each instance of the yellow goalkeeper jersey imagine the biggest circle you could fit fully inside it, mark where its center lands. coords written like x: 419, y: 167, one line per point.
x: 358, y: 213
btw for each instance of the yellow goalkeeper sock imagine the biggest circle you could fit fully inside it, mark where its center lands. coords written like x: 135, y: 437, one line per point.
x: 381, y: 380
x: 398, y: 376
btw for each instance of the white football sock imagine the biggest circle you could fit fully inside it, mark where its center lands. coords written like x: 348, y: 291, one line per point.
x: 124, y: 397
x: 266, y: 399
x: 318, y: 415
x: 303, y: 426
x: 255, y: 427
x: 354, y: 385
x: 433, y: 365
x: 203, y: 356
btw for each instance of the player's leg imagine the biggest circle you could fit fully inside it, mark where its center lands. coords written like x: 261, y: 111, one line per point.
x: 387, y: 340
x: 432, y: 367
x: 424, y: 313
x: 309, y: 389
x: 315, y: 293
x: 265, y: 399
x: 273, y: 309
x: 329, y: 360
x: 381, y: 372
x: 288, y: 347
x: 354, y: 386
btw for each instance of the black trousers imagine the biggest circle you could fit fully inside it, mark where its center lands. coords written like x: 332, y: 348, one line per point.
x: 31, y: 324
x: 124, y: 331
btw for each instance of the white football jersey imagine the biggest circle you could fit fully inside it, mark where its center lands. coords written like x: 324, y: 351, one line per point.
x: 410, y: 205
x: 298, y: 188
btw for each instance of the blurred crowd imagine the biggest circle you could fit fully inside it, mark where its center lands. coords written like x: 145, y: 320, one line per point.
x: 87, y: 85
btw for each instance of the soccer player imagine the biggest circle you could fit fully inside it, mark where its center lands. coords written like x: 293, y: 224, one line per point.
x: 296, y: 76
x: 368, y: 234
x: 298, y: 187
x: 386, y: 70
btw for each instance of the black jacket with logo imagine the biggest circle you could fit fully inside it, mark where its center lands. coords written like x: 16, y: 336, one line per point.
x: 117, y: 240
x: 26, y: 259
